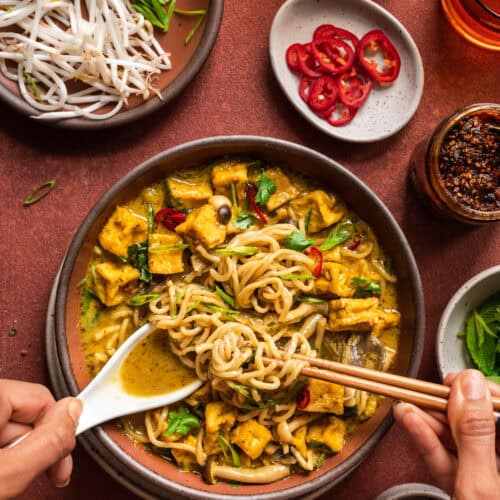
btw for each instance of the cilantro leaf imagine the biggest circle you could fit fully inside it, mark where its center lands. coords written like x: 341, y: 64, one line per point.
x: 342, y: 231
x: 244, y: 220
x: 266, y: 188
x: 181, y: 422
x: 298, y: 241
x: 138, y: 257
x: 365, y: 287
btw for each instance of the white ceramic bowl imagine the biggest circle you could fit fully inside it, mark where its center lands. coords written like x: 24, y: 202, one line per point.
x: 387, y: 110
x: 451, y: 352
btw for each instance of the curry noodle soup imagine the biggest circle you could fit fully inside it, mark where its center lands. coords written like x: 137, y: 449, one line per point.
x: 235, y: 261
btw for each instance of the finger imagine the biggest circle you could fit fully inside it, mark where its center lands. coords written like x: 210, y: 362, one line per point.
x: 52, y: 439
x: 12, y: 431
x: 441, y: 463
x: 494, y: 388
x: 23, y: 402
x: 448, y: 380
x: 470, y: 414
x: 60, y: 473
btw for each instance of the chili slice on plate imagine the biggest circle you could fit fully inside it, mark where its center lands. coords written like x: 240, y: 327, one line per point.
x: 379, y: 57
x: 305, y: 87
x: 332, y: 55
x: 328, y: 30
x: 323, y: 93
x: 306, y: 62
x: 292, y: 57
x: 354, y: 86
x: 323, y: 29
x: 341, y: 115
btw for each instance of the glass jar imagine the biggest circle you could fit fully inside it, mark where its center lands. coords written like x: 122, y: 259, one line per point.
x: 425, y: 173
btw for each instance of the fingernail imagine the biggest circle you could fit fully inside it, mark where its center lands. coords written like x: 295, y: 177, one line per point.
x: 75, y: 410
x: 63, y: 485
x: 405, y: 407
x: 473, y: 386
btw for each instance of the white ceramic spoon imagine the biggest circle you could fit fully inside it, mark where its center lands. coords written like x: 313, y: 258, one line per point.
x: 105, y: 398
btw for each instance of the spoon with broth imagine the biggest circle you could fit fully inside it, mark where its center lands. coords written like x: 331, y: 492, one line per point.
x: 141, y: 375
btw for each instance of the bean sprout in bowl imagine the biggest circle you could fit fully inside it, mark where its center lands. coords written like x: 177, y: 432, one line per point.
x: 238, y: 249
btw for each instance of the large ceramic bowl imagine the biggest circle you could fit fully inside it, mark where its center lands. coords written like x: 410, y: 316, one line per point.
x: 156, y: 476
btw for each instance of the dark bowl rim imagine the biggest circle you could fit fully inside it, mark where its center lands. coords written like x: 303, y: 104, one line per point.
x: 241, y: 141
x: 169, y: 93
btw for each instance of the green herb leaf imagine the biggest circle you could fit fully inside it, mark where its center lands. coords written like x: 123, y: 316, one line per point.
x: 225, y: 447
x: 237, y: 251
x: 481, y: 347
x: 308, y: 220
x: 342, y: 231
x: 138, y: 257
x: 224, y: 296
x: 244, y: 220
x: 181, y: 422
x: 494, y: 378
x: 140, y: 300
x: 174, y: 247
x: 296, y: 276
x: 320, y: 460
x: 490, y: 309
x: 310, y: 300
x: 151, y: 219
x: 298, y: 241
x: 39, y: 193
x: 365, y: 287
x: 266, y: 188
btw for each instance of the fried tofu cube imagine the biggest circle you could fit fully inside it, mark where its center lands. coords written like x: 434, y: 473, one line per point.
x: 330, y: 433
x: 219, y: 419
x: 185, y: 459
x: 325, y: 210
x: 184, y: 194
x: 334, y: 280
x: 326, y: 397
x: 285, y: 190
x: 299, y: 440
x: 111, y: 280
x: 163, y: 260
x: 202, y: 226
x: 227, y: 173
x: 124, y: 228
x: 251, y: 437
x: 360, y: 315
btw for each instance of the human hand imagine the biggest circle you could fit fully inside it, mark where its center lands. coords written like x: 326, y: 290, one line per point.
x: 459, y: 450
x: 26, y: 407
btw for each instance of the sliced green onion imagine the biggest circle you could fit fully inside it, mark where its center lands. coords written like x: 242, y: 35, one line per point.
x: 296, y: 276
x: 174, y: 247
x: 140, y: 300
x: 194, y: 305
x: 40, y: 192
x: 122, y: 259
x: 225, y: 446
x: 180, y: 296
x: 219, y: 309
x: 196, y: 27
x: 168, y: 17
x: 234, y: 194
x: 224, y: 296
x: 151, y: 219
x: 237, y: 251
x: 200, y: 12
x: 311, y: 300
x: 34, y: 87
x: 307, y: 220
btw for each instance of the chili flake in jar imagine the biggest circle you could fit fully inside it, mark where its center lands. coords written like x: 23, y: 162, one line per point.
x: 469, y: 164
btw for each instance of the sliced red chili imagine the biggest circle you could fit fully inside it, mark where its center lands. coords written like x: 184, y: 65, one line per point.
x: 305, y: 87
x: 333, y: 55
x: 251, y: 199
x: 292, y: 57
x: 318, y: 256
x: 303, y: 397
x: 341, y: 115
x: 306, y: 62
x: 354, y: 244
x: 373, y: 47
x: 169, y: 217
x: 323, y: 29
x: 354, y: 87
x: 327, y: 112
x: 323, y: 93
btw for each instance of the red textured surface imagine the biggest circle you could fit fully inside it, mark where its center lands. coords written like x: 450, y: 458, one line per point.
x: 235, y: 93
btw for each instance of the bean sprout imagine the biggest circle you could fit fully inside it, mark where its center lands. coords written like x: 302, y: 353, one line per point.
x: 74, y: 58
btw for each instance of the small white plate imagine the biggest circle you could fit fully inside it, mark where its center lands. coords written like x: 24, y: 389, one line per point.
x: 387, y: 110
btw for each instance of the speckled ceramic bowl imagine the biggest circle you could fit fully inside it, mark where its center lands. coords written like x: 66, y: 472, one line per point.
x: 452, y: 355
x: 156, y: 476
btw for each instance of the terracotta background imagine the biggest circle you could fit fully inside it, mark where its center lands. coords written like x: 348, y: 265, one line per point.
x: 235, y: 93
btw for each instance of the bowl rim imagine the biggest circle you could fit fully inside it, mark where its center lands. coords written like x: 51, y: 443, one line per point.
x: 241, y: 142
x: 309, y: 115
x: 169, y: 93
x: 462, y: 291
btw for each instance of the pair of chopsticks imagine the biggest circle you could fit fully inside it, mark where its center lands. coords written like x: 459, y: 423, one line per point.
x: 418, y: 392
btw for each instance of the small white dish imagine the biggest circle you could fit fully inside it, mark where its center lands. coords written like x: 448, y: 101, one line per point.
x: 387, y: 110
x: 452, y: 355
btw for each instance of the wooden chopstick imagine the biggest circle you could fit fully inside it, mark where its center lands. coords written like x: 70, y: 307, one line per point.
x: 421, y: 393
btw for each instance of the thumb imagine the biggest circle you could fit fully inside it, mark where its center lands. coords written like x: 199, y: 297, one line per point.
x: 470, y: 414
x: 52, y: 439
